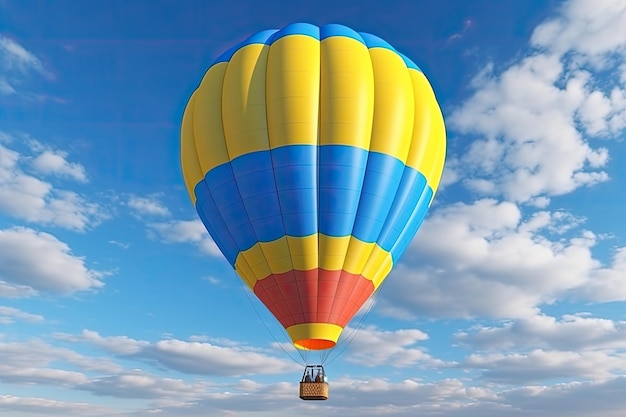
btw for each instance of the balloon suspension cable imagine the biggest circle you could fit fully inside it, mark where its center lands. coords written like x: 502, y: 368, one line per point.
x: 280, y: 345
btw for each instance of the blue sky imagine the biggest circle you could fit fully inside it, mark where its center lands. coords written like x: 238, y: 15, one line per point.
x: 510, y: 301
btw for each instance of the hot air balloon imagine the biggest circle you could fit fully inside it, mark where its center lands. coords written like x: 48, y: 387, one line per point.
x: 312, y: 155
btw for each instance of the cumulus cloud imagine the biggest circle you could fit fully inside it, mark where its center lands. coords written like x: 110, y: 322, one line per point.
x: 543, y: 348
x: 548, y: 103
x: 40, y: 262
x: 37, y: 362
x: 147, y: 206
x: 30, y: 362
x: 11, y: 314
x: 138, y: 384
x: 351, y: 398
x: 29, y: 198
x: 468, y: 258
x: 191, y: 231
x: 372, y: 347
x: 584, y: 27
x: 607, y: 283
x: 11, y: 290
x: 522, y: 118
x: 44, y: 406
x: 118, y: 345
x: 570, y: 332
x: 206, y: 358
x: 190, y: 357
x: 539, y: 365
x: 55, y: 162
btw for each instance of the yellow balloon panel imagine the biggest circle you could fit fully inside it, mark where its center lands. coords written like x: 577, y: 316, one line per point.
x: 428, y: 145
x: 293, y: 86
x: 192, y: 172
x: 347, y: 93
x: 243, y: 101
x: 393, y: 104
x: 207, y: 119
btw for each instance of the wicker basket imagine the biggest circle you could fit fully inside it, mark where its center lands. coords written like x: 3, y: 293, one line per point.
x: 314, y: 390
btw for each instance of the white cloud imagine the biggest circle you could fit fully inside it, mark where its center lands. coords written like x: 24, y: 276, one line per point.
x: 372, y: 347
x: 11, y: 290
x: 445, y: 398
x: 523, y: 119
x: 43, y: 406
x: 192, y: 231
x: 16, y: 63
x: 30, y: 362
x: 138, y: 384
x: 41, y: 262
x: 586, y: 27
x: 40, y: 376
x: 190, y: 357
x: 350, y: 398
x: 15, y: 57
x: 206, y: 358
x: 468, y: 258
x: 37, y: 362
x: 534, y: 120
x: 32, y: 199
x: 10, y: 314
x: 118, y: 345
x: 540, y: 365
x: 608, y: 283
x: 55, y: 162
x: 571, y: 332
x: 149, y: 206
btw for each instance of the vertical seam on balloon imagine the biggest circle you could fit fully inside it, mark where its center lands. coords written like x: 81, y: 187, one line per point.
x: 229, y: 152
x: 351, y: 236
x: 316, y: 167
x: 196, y: 154
x: 317, y: 178
x: 362, y: 183
x: 280, y: 208
x: 269, y: 150
x: 319, y: 189
x: 230, y: 160
x: 382, y: 264
x: 203, y: 180
x: 240, y: 196
x: 418, y: 207
x: 343, y: 303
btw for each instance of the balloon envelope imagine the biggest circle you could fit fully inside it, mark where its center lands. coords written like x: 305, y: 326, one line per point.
x: 312, y: 155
